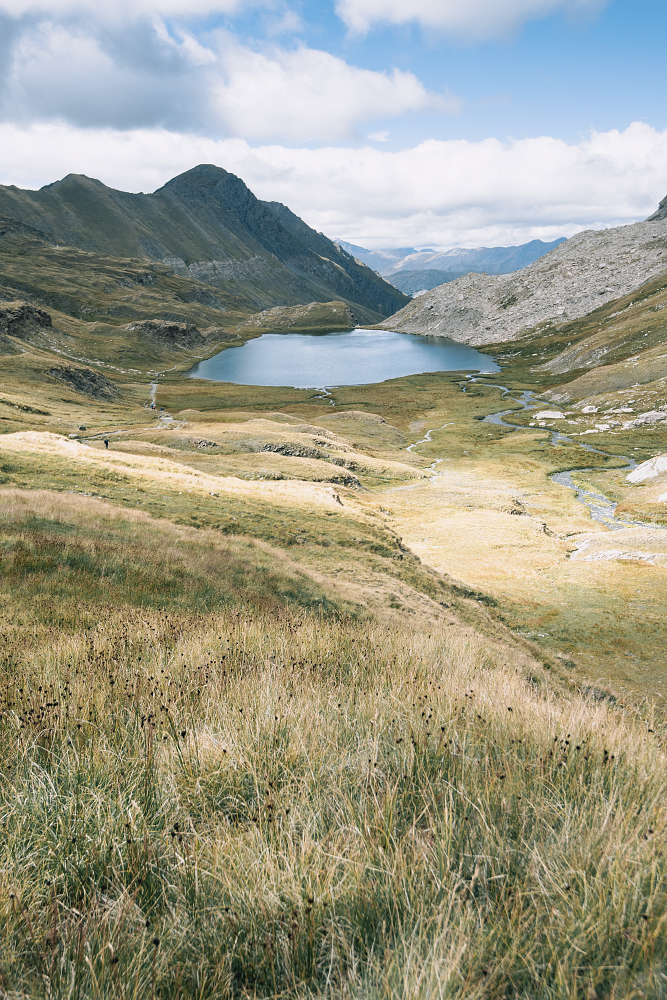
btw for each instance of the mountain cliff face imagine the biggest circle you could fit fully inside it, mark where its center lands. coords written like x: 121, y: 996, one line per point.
x: 581, y: 274
x: 661, y: 212
x: 207, y: 225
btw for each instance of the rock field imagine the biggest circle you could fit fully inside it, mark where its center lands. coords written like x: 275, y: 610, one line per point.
x: 580, y: 275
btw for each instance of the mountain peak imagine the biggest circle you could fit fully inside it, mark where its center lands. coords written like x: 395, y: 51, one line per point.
x: 204, y: 175
x: 208, y: 225
x: 73, y: 181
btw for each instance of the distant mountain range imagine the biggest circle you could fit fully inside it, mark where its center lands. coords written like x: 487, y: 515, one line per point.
x: 438, y: 266
x: 208, y: 226
x: 414, y: 282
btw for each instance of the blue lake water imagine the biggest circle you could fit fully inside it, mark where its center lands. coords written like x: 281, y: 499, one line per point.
x: 353, y: 357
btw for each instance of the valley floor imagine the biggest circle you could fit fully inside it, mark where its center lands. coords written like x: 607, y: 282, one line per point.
x: 299, y: 700
x: 591, y: 594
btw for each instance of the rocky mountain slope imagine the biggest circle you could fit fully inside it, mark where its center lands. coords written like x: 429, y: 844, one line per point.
x: 661, y: 212
x: 55, y: 296
x: 207, y: 225
x: 461, y: 260
x: 577, y: 277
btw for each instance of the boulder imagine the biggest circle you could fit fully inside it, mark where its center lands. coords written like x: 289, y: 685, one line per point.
x: 651, y: 469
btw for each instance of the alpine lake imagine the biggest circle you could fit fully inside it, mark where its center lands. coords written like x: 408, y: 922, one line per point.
x: 350, y: 357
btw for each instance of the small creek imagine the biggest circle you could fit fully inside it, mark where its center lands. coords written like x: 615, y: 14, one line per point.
x: 601, y: 508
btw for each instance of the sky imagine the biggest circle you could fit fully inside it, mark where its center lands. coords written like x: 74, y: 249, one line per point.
x: 388, y: 123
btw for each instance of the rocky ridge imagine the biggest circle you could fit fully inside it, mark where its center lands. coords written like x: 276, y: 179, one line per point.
x: 22, y: 321
x: 19, y: 318
x: 585, y: 272
x: 175, y: 336
x: 85, y: 381
x: 661, y: 212
x: 335, y: 315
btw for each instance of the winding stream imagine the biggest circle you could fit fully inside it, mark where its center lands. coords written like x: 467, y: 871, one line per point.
x: 601, y: 508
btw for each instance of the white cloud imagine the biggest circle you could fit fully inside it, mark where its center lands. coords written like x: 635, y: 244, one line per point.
x: 90, y: 75
x: 62, y: 72
x: 436, y: 194
x: 468, y: 19
x: 310, y: 94
x: 378, y: 136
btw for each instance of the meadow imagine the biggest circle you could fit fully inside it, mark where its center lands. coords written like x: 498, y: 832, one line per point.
x: 222, y: 776
x: 284, y: 716
x: 291, y: 803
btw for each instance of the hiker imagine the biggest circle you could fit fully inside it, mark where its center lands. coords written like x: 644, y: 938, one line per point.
x: 106, y: 442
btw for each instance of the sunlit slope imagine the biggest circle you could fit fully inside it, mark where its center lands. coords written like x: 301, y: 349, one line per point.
x: 322, y: 532
x: 620, y: 346
x: 268, y: 449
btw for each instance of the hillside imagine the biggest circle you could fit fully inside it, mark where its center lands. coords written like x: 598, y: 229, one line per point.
x: 461, y: 260
x: 326, y: 694
x: 249, y: 740
x: 208, y: 226
x: 587, y: 271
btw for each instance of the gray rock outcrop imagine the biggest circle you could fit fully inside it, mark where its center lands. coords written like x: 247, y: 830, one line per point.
x: 173, y: 336
x: 21, y: 321
x: 660, y: 213
x: 586, y: 271
x: 18, y: 319
x: 86, y: 381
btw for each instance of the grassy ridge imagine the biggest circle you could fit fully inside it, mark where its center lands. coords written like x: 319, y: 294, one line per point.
x: 68, y: 560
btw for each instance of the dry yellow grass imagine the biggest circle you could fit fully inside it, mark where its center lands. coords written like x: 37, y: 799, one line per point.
x: 161, y: 471
x: 289, y: 806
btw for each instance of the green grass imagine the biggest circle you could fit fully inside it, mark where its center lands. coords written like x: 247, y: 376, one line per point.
x: 50, y: 564
x: 236, y: 515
